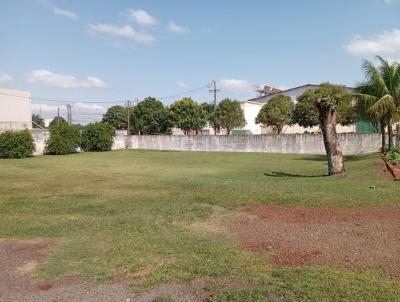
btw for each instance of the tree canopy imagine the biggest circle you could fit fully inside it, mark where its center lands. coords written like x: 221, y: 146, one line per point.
x: 151, y: 117
x: 229, y: 115
x: 276, y: 113
x: 306, y: 113
x: 116, y: 116
x: 58, y: 120
x: 37, y: 121
x: 188, y: 115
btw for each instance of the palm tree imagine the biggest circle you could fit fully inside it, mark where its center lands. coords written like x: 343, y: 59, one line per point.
x: 378, y: 96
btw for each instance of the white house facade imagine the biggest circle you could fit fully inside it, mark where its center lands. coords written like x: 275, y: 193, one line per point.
x: 252, y: 107
x: 15, y: 110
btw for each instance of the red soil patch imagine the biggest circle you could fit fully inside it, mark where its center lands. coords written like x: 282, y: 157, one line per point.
x: 366, y: 237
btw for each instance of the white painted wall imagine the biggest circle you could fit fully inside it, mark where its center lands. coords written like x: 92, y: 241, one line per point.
x: 15, y: 110
x: 251, y: 110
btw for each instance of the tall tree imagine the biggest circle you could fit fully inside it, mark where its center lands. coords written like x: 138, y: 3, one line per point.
x: 188, y: 115
x: 276, y: 113
x: 229, y: 115
x: 37, y: 121
x: 116, y: 116
x: 378, y: 96
x: 151, y: 117
x: 321, y: 107
x: 210, y: 110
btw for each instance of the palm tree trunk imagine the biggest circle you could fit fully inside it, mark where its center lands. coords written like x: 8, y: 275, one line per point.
x: 390, y: 132
x: 383, y: 134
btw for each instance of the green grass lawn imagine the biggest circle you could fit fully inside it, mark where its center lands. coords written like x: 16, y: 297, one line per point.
x: 153, y: 216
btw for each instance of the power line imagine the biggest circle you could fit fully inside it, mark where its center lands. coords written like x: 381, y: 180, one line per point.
x: 71, y: 101
x: 61, y: 101
x: 183, y: 93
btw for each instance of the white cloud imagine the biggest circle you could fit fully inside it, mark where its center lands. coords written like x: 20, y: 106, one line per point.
x: 182, y: 84
x: 390, y: 1
x: 64, y: 81
x: 386, y: 43
x: 236, y: 85
x: 142, y: 17
x: 65, y: 13
x: 177, y: 28
x: 60, y: 11
x: 5, y: 78
x: 121, y: 31
x: 77, y: 108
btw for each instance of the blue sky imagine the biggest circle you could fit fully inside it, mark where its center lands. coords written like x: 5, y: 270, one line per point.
x: 117, y: 50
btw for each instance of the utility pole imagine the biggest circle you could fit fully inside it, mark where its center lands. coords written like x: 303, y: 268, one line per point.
x: 58, y: 116
x: 69, y: 114
x: 128, y: 105
x: 214, y: 90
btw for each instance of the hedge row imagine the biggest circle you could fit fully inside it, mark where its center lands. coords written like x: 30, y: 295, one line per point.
x: 64, y: 139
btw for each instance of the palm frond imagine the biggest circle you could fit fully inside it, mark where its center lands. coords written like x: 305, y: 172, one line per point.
x: 374, y: 78
x: 385, y: 105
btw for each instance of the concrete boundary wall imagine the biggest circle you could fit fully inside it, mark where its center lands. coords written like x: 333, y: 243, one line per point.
x: 351, y: 143
x: 286, y: 143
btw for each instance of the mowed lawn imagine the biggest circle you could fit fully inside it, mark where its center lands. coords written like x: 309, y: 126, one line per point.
x: 157, y: 217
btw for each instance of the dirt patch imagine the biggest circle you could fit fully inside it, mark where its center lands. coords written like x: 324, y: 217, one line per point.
x: 18, y: 259
x: 364, y: 237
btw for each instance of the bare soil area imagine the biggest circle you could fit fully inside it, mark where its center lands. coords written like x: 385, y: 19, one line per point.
x: 356, y: 238
x: 19, y: 258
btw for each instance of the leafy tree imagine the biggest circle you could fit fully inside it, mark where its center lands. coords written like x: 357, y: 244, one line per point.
x: 151, y: 117
x: 16, y: 144
x: 378, y: 96
x: 276, y: 113
x: 116, y: 116
x: 37, y: 121
x: 97, y: 137
x: 229, y: 115
x: 188, y: 115
x: 306, y: 113
x: 210, y: 110
x: 64, y: 139
x: 57, y: 121
x: 327, y: 100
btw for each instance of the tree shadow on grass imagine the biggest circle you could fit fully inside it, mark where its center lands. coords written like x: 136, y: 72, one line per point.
x: 285, y: 174
x: 348, y: 158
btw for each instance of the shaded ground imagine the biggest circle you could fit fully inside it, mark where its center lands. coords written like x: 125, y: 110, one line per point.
x: 363, y: 237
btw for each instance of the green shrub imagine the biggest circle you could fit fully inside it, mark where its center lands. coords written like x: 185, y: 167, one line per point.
x: 97, y: 137
x: 16, y: 144
x: 64, y: 139
x: 393, y: 155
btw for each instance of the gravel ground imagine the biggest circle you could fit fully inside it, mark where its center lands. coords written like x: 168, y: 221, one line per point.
x: 359, y: 238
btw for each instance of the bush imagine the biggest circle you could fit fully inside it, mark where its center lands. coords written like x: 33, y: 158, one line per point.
x: 64, y: 139
x: 97, y: 137
x: 16, y: 144
x: 393, y: 155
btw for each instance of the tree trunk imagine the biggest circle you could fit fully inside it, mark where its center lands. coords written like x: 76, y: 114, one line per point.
x: 334, y: 153
x: 383, y: 134
x: 390, y: 132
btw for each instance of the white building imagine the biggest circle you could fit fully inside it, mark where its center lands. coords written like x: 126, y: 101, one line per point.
x: 252, y: 107
x: 15, y: 110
